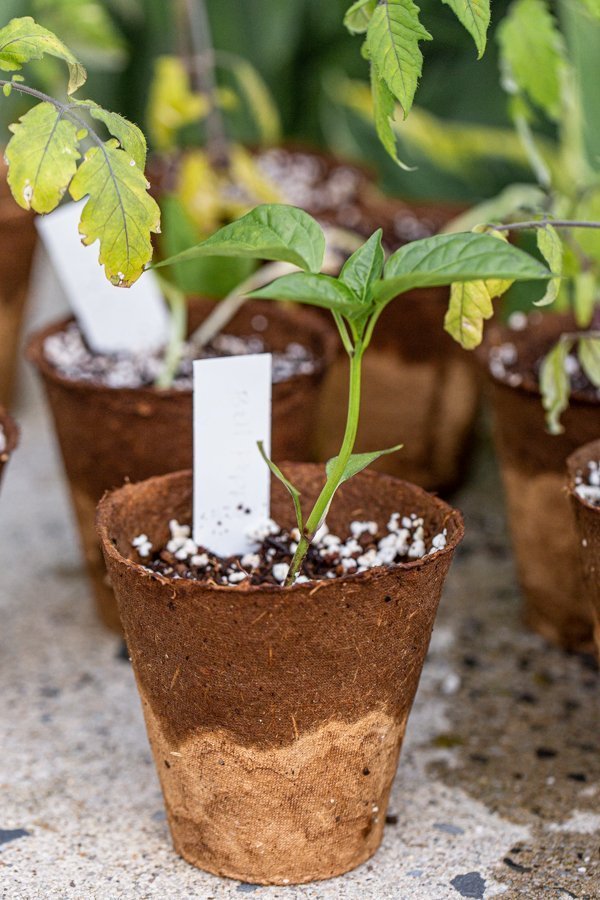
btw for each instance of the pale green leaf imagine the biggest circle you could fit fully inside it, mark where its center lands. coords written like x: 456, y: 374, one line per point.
x: 447, y: 258
x: 475, y: 16
x: 255, y: 92
x: 271, y: 231
x: 294, y: 492
x: 129, y: 135
x: 589, y: 357
x: 315, y: 290
x: 119, y: 212
x: 555, y: 385
x: 42, y: 158
x: 364, y: 267
x: 358, y: 462
x: 470, y: 305
x: 23, y: 40
x: 88, y: 28
x: 358, y: 16
x: 532, y: 54
x: 551, y: 247
x: 585, y: 295
x: 593, y: 7
x: 384, y: 111
x: 392, y: 44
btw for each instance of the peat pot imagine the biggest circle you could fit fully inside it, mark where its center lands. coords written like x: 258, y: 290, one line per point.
x: 419, y: 388
x: 9, y: 438
x: 275, y: 714
x: 587, y: 523
x: 111, y: 434
x: 17, y: 241
x: 533, y: 471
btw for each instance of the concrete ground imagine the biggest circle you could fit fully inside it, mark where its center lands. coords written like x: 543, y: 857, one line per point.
x: 498, y: 790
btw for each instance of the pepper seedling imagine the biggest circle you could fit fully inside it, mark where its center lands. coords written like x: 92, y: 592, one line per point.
x: 356, y: 299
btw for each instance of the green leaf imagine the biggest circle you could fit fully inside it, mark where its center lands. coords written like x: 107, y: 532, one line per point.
x: 87, y: 27
x: 294, y: 492
x: 584, y: 297
x: 392, y: 44
x: 532, y: 54
x: 470, y: 305
x: 589, y: 357
x: 358, y: 462
x: 364, y: 267
x: 119, y: 212
x: 475, y: 16
x: 358, y: 16
x: 555, y: 385
x: 129, y: 135
x: 271, y: 231
x: 384, y: 111
x: 23, y: 40
x: 551, y: 247
x: 447, y: 258
x: 42, y: 158
x: 259, y: 100
x: 315, y: 290
x: 509, y: 202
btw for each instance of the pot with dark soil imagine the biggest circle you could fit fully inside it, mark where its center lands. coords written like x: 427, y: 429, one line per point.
x: 17, y: 241
x: 114, y: 424
x: 533, y: 465
x: 584, y: 490
x: 9, y: 438
x: 276, y: 714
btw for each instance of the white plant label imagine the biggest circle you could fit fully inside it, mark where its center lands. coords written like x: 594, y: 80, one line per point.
x: 112, y: 319
x: 232, y: 412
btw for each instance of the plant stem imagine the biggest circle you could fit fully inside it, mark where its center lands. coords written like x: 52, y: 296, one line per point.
x: 321, y: 507
x: 178, y: 306
x: 203, y: 72
x: 541, y: 223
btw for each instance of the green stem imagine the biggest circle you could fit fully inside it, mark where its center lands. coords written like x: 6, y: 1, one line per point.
x: 319, y: 510
x: 178, y: 305
x: 541, y: 223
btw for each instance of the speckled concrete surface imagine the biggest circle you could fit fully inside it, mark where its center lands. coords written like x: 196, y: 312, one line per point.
x: 499, y: 783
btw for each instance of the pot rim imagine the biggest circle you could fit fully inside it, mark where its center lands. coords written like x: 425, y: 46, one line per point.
x: 11, y: 432
x: 527, y: 386
x: 575, y: 461
x: 34, y: 352
x: 111, y: 498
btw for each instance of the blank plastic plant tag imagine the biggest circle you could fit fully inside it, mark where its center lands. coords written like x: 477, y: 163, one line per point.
x: 112, y: 319
x: 232, y: 412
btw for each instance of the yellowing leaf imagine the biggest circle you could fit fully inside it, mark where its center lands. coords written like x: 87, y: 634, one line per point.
x: 584, y: 297
x: 392, y: 44
x: 129, y: 135
x: 532, y: 54
x: 475, y: 16
x: 172, y: 103
x: 551, y: 248
x: 589, y: 357
x: 257, y: 96
x: 119, y: 212
x: 470, y: 305
x: 23, y: 40
x: 555, y: 385
x: 42, y: 158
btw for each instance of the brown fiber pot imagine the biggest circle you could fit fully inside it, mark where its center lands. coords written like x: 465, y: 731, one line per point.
x: 11, y: 435
x: 419, y: 387
x: 17, y: 241
x: 533, y: 470
x: 276, y: 715
x: 587, y: 522
x: 108, y: 435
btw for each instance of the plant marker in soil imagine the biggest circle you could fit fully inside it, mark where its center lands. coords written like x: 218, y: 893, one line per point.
x: 232, y: 415
x: 111, y: 320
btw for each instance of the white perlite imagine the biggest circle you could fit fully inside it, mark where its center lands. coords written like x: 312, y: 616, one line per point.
x: 587, y: 485
x: 405, y: 541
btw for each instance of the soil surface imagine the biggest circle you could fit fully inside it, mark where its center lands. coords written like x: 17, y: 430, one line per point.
x: 506, y: 364
x: 329, y: 556
x: 70, y: 355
